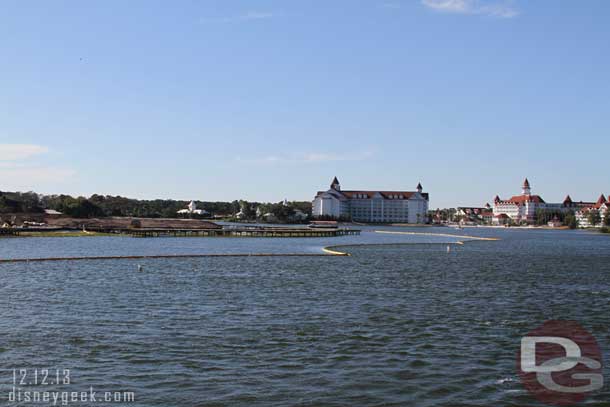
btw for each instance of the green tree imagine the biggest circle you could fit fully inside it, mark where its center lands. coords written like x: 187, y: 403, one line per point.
x: 246, y: 208
x: 593, y: 217
x: 282, y: 212
x: 83, y: 208
x: 303, y: 206
x: 544, y: 216
x: 8, y: 205
x: 570, y: 220
x: 541, y: 217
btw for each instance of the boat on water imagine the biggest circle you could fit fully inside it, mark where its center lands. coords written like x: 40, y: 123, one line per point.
x: 323, y: 224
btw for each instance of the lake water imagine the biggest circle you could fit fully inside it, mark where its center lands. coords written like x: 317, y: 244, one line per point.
x: 392, y: 325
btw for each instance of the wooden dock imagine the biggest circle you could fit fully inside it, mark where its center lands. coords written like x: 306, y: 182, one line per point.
x: 247, y: 231
x: 243, y: 232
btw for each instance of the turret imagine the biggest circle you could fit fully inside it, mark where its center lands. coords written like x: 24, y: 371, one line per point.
x: 335, y: 185
x: 419, y: 188
x: 600, y: 201
x: 526, y: 190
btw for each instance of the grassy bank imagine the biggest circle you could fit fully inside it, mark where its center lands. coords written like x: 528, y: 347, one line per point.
x: 63, y: 233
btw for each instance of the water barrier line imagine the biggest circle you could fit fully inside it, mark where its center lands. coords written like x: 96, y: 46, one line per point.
x: 330, y: 250
x: 438, y: 234
x: 174, y: 256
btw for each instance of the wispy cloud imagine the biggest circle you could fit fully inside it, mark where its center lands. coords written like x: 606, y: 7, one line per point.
x: 500, y: 9
x: 240, y: 18
x: 19, y: 172
x: 308, y: 158
x: 13, y: 152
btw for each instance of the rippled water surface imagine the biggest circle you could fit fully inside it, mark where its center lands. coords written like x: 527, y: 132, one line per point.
x: 393, y: 325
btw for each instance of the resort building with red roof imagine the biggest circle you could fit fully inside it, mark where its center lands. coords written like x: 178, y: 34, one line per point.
x: 522, y: 208
x: 519, y: 208
x: 598, y: 209
x: 475, y: 215
x: 371, y: 206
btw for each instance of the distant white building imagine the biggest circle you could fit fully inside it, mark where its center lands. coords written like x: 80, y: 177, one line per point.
x: 269, y: 217
x: 519, y: 208
x: 52, y: 212
x: 192, y: 210
x: 299, y: 215
x: 601, y: 207
x: 475, y: 214
x: 522, y: 208
x: 372, y: 206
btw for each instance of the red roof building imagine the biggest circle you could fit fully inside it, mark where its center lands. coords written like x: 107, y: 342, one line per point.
x: 522, y: 208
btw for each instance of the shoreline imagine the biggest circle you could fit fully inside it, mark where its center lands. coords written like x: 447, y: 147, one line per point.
x: 61, y: 233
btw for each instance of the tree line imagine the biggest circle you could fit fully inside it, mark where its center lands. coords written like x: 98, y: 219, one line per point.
x: 107, y: 205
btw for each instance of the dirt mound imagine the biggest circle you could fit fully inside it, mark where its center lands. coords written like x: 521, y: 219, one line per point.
x: 67, y: 222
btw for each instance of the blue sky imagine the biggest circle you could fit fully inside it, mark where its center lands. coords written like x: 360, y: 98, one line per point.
x: 265, y: 100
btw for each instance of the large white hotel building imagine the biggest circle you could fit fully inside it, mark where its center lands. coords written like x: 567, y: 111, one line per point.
x: 372, y: 206
x: 522, y: 208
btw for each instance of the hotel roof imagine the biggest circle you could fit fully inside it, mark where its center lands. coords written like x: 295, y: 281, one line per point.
x: 361, y: 194
x: 600, y: 201
x: 521, y: 199
x: 384, y: 194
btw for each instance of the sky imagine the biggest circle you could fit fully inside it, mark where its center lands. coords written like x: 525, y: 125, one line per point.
x: 266, y: 99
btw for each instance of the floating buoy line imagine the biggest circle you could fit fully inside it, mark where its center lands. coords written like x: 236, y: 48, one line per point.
x: 327, y: 251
